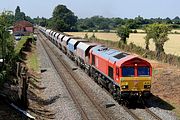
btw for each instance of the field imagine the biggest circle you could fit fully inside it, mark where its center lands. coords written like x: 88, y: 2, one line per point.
x: 172, y: 46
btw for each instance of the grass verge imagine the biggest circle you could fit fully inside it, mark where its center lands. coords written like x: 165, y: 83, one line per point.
x: 20, y: 44
x: 32, y: 61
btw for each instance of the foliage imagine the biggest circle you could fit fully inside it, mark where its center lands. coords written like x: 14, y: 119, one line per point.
x: 7, y: 45
x: 2, y: 77
x: 159, y: 34
x: 19, y: 15
x: 41, y: 21
x: 86, y: 36
x: 27, y: 18
x: 123, y: 33
x: 4, y: 34
x: 20, y: 44
x: 6, y: 18
x: 101, y: 23
x: 93, y: 37
x: 63, y: 19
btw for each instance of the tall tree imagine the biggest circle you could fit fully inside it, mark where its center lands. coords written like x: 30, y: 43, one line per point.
x: 159, y: 34
x: 123, y: 33
x: 63, y: 19
x: 19, y: 15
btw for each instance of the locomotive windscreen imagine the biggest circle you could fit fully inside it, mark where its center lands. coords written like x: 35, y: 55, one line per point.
x: 128, y: 72
x: 143, y: 71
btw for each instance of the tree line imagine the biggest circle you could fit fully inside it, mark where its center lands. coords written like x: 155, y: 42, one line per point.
x: 106, y: 24
x: 63, y: 19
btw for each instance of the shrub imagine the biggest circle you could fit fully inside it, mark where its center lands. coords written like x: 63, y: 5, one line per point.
x: 86, y: 36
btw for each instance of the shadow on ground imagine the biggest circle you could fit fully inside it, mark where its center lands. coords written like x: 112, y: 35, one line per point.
x: 41, y: 101
x: 42, y: 113
x: 153, y: 101
x: 157, y: 102
x: 36, y: 86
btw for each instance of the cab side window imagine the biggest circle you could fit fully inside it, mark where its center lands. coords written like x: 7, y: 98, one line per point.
x: 110, y: 72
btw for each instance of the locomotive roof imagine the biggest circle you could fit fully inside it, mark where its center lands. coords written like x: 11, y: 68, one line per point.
x: 109, y: 54
x: 134, y: 59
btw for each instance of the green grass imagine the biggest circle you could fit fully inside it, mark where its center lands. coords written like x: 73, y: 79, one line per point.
x: 32, y: 61
x: 20, y: 43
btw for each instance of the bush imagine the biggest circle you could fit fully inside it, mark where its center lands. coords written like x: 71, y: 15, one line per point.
x: 135, y: 31
x: 86, y: 36
x: 93, y: 37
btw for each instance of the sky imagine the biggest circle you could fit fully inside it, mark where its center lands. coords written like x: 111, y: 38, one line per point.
x: 89, y: 8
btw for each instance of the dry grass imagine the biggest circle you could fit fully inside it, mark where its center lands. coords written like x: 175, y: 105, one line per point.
x: 104, y: 36
x: 172, y: 46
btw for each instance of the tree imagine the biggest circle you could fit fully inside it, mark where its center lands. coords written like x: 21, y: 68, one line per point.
x: 7, y: 18
x: 19, y: 15
x: 159, y: 34
x: 27, y: 18
x: 176, y: 20
x: 123, y: 33
x: 6, y: 43
x: 63, y: 19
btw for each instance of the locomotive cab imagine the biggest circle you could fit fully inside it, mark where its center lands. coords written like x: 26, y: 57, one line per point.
x: 135, y: 77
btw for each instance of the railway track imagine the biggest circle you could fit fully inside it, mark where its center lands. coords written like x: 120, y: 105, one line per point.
x: 144, y: 112
x: 149, y: 111
x: 136, y: 116
x: 141, y: 115
x: 67, y: 74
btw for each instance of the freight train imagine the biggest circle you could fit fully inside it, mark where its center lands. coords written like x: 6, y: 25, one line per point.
x: 124, y: 75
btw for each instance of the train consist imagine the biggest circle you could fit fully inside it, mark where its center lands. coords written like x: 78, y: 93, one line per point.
x: 124, y: 75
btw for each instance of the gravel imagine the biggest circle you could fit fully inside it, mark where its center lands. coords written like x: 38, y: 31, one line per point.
x: 60, y: 101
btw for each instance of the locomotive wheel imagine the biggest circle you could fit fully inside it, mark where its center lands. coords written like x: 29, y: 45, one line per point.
x: 87, y: 72
x: 99, y: 82
x: 110, y: 87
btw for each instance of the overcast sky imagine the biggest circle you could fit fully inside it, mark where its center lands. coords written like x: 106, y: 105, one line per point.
x: 89, y: 8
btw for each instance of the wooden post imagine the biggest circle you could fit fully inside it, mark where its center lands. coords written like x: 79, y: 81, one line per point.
x: 24, y: 99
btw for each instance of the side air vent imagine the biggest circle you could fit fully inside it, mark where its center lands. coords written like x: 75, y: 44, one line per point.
x: 103, y: 49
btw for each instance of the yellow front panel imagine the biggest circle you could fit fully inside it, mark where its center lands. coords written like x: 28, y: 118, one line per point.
x: 135, y: 83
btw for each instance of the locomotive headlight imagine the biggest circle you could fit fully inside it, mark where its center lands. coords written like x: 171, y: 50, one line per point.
x: 147, y: 85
